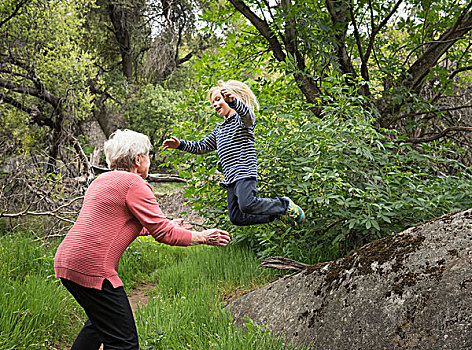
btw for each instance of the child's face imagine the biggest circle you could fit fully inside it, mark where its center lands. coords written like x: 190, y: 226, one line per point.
x: 219, y: 104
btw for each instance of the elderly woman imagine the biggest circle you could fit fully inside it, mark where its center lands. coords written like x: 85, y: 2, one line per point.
x: 118, y: 207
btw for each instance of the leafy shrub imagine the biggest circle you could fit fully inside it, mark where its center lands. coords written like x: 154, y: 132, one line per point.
x: 354, y: 183
x: 152, y: 110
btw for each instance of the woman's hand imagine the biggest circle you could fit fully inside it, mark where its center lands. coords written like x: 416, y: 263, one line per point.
x: 173, y: 142
x: 216, y: 237
x: 213, y: 236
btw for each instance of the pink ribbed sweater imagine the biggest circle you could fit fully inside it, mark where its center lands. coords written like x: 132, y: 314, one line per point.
x: 118, y: 207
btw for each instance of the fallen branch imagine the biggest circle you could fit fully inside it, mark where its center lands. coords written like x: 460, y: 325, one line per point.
x: 151, y: 177
x: 281, y: 263
x: 49, y: 237
x: 52, y: 213
x: 35, y: 213
x: 191, y: 223
x: 164, y: 178
x: 436, y: 136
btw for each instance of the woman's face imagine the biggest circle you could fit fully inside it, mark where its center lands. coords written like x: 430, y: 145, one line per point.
x: 142, y: 165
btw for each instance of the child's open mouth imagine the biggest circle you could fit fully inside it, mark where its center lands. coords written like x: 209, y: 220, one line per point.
x: 218, y: 109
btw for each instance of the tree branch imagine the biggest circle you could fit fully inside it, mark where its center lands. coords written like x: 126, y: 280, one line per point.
x: 269, y: 10
x: 184, y: 59
x: 337, y: 10
x: 337, y: 13
x: 422, y: 66
x: 42, y: 93
x: 86, y: 173
x: 375, y: 31
x: 304, y: 82
x: 151, y: 177
x: 15, y: 12
x: 262, y: 27
x: 459, y: 70
x: 414, y: 78
x: 364, y: 70
x: 39, y: 118
x: 452, y: 41
x: 409, y: 115
x: 290, y: 38
x: 44, y: 213
x: 164, y: 178
x: 281, y: 263
x: 436, y: 136
x: 450, y: 77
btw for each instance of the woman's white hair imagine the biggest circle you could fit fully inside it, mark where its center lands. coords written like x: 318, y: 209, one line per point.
x: 122, y: 148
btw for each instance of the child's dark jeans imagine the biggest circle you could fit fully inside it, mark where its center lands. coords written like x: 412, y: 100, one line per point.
x: 247, y: 209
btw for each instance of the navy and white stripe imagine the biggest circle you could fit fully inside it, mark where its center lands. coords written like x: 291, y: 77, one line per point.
x: 234, y: 140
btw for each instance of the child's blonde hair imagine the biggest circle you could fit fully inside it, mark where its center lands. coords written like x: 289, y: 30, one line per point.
x: 238, y: 89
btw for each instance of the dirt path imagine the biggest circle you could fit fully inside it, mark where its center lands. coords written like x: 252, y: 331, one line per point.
x: 172, y: 204
x: 137, y: 297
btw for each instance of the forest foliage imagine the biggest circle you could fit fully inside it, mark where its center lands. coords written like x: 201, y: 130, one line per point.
x: 365, y: 112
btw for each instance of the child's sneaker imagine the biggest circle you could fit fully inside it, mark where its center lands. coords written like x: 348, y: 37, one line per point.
x: 294, y: 215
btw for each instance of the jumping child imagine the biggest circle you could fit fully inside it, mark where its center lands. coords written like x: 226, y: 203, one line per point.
x: 233, y: 139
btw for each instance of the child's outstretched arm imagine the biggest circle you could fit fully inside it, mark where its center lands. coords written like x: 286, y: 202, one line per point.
x: 195, y: 147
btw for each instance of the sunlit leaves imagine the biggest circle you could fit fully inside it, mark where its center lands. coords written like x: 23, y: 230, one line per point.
x: 42, y: 53
x: 152, y: 111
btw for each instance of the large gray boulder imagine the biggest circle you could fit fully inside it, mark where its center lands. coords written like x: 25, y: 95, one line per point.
x: 411, y: 290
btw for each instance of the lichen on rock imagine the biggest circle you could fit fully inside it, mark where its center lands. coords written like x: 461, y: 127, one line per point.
x: 411, y: 290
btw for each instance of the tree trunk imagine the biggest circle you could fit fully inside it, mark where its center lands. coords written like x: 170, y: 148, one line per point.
x: 121, y: 29
x: 416, y: 74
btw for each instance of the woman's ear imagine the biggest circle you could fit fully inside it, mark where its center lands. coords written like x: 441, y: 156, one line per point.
x: 137, y: 160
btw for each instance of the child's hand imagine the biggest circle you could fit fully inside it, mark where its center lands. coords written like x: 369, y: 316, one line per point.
x: 227, y: 95
x: 173, y: 142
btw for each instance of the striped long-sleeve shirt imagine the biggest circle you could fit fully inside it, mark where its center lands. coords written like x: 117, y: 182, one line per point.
x: 233, y: 139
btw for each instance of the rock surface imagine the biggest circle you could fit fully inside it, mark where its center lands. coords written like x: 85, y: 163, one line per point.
x: 411, y: 290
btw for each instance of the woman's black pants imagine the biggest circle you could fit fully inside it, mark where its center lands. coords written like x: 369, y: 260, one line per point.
x: 110, y: 318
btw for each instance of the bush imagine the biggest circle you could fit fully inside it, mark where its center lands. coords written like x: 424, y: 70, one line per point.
x: 152, y: 111
x: 354, y: 183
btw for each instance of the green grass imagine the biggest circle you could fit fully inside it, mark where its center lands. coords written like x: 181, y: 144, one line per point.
x: 36, y: 311
x: 184, y: 309
x: 167, y: 187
